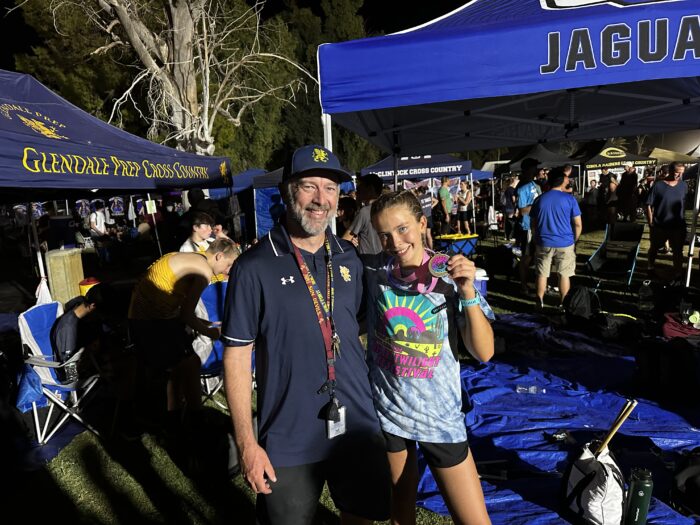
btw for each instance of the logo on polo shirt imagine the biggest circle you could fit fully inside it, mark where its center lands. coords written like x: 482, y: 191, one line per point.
x: 345, y: 274
x: 320, y: 155
x: 287, y: 280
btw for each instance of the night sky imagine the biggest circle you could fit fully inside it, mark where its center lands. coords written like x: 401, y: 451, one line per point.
x: 381, y: 16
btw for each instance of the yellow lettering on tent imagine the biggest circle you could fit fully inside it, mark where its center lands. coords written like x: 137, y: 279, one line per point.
x: 34, y: 161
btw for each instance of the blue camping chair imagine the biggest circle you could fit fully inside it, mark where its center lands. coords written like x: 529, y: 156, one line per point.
x: 616, y: 257
x: 211, y: 307
x: 35, y: 332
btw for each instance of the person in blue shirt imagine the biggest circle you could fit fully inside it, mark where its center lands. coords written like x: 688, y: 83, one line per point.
x: 295, y: 296
x: 556, y: 225
x: 419, y: 305
x: 526, y: 192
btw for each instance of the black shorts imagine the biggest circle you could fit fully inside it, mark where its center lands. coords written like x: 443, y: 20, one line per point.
x: 162, y: 343
x: 438, y: 455
x: 463, y: 216
x: 523, y: 239
x: 358, y: 479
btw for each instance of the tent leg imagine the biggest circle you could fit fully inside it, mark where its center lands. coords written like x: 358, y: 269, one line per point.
x: 693, y: 230
x: 155, y: 228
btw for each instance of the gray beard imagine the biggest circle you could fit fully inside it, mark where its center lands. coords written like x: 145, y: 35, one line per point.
x: 310, y: 228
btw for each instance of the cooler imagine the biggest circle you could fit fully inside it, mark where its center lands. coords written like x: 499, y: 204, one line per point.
x: 481, y: 281
x: 455, y: 243
x: 86, y: 284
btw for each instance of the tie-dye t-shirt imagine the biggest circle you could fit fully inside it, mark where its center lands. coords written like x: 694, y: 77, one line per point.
x: 412, y: 351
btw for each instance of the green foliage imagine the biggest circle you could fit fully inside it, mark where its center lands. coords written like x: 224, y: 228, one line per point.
x: 337, y: 21
x: 64, y: 62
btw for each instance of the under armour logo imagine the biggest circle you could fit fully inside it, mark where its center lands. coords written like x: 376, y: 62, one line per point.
x: 288, y: 280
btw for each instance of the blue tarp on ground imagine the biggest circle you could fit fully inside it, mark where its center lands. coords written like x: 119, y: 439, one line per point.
x: 47, y: 142
x: 577, y: 392
x: 497, y: 73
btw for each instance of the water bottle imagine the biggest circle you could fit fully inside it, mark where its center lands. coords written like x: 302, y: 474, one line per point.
x: 532, y: 389
x: 646, y: 297
x: 638, y: 497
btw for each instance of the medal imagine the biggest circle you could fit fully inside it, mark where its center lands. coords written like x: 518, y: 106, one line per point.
x: 437, y: 265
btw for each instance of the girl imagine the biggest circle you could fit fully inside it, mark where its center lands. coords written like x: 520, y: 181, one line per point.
x: 417, y: 309
x: 464, y: 199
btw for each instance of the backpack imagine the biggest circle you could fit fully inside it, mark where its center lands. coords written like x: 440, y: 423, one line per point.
x: 503, y: 200
x: 685, y: 493
x: 594, y: 489
x: 580, y: 305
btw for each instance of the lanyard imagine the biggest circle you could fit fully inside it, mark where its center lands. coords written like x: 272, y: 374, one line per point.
x: 324, y: 312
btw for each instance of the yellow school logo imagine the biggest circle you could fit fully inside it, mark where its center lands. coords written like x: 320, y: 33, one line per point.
x: 613, y: 153
x: 41, y: 128
x: 224, y: 171
x: 345, y: 274
x: 320, y: 155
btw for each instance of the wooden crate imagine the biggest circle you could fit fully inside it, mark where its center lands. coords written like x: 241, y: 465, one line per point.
x: 65, y: 271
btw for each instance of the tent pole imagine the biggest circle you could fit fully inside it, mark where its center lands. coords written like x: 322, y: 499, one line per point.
x: 35, y: 234
x: 155, y: 228
x: 255, y: 212
x: 471, y: 188
x: 396, y: 151
x: 693, y: 230
x: 328, y: 143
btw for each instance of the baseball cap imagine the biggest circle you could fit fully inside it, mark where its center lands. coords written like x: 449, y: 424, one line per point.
x: 528, y: 163
x: 314, y: 158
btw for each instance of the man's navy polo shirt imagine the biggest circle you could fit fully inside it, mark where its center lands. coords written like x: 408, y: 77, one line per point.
x: 268, y: 302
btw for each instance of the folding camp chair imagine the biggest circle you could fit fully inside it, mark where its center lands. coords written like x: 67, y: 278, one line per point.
x: 617, y: 255
x: 35, y: 329
x: 211, y: 307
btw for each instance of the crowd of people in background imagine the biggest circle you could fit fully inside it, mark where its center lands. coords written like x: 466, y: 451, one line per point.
x: 384, y: 239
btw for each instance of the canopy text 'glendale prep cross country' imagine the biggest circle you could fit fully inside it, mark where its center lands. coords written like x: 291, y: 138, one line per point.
x: 39, y: 162
x: 652, y: 41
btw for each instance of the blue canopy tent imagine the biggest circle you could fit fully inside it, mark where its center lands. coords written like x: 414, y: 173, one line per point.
x: 497, y: 73
x: 48, y: 143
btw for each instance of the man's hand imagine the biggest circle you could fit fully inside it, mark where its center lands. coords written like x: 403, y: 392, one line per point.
x: 256, y: 468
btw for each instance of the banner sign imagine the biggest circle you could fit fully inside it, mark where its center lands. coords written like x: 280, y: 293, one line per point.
x: 45, y: 142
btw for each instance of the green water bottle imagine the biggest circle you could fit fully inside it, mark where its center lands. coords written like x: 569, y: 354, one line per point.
x: 638, y: 497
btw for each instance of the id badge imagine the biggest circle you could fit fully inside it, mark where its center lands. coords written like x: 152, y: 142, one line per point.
x: 336, y: 428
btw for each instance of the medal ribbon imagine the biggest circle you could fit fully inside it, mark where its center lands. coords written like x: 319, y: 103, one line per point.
x: 324, y: 311
x: 416, y: 281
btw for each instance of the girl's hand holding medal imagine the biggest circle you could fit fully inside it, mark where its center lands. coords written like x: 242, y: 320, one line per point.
x: 458, y: 268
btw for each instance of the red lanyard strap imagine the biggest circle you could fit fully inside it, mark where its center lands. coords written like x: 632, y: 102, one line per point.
x: 324, y: 312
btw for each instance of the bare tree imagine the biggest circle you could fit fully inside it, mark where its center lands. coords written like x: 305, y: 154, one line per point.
x: 639, y: 141
x: 198, y: 60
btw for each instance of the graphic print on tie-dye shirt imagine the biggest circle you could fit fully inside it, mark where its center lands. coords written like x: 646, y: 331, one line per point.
x: 410, y: 336
x: 412, y: 343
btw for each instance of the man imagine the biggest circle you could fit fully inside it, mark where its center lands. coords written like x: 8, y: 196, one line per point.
x: 295, y: 296
x: 526, y: 193
x: 608, y: 196
x: 556, y: 225
x: 98, y: 230
x: 590, y: 206
x: 665, y: 211
x: 361, y: 232
x: 445, y: 205
x: 627, y: 193
x: 68, y: 334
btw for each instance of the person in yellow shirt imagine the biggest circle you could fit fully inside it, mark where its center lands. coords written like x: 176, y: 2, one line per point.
x: 162, y: 307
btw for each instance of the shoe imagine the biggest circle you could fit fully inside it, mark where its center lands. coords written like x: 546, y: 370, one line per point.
x: 517, y: 252
x: 663, y: 250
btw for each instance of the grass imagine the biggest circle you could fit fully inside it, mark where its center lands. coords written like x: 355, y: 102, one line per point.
x: 98, y: 481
